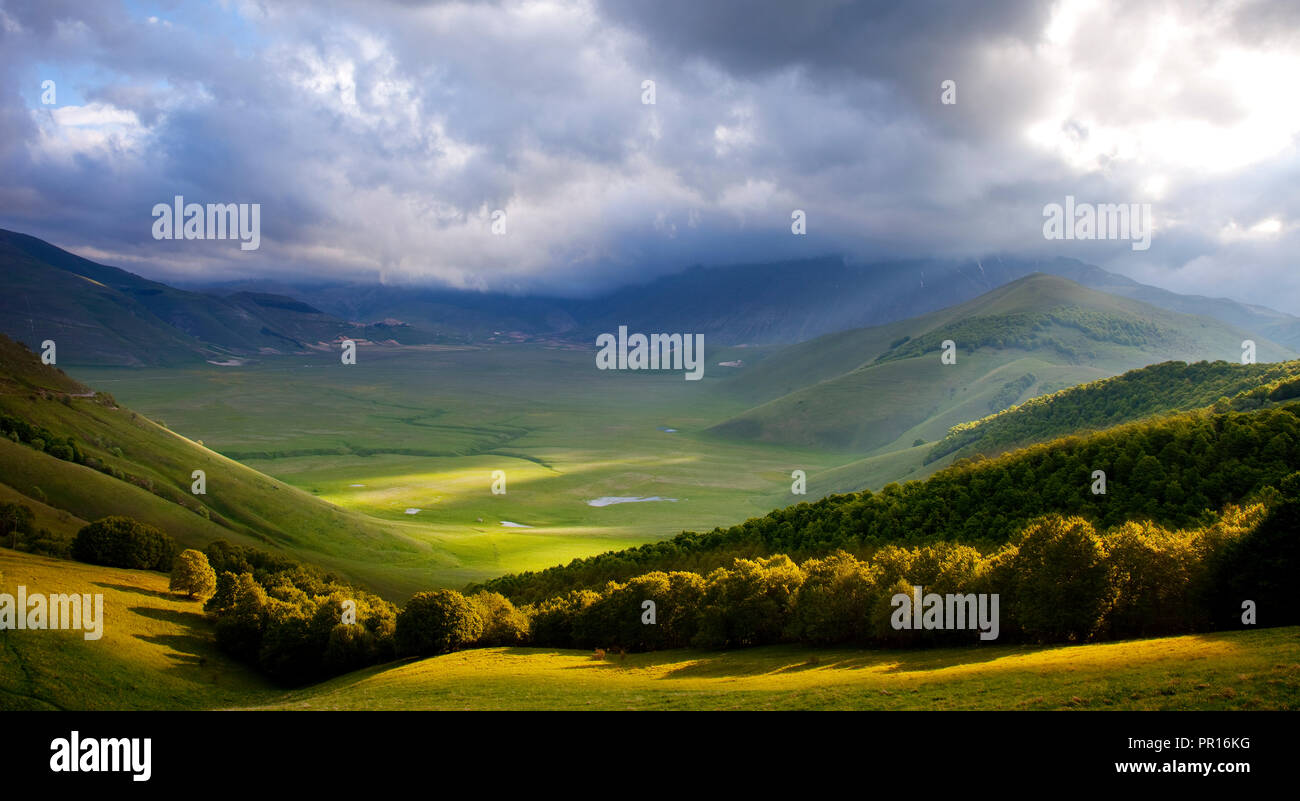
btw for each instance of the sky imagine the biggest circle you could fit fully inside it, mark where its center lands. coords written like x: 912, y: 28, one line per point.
x: 380, y: 138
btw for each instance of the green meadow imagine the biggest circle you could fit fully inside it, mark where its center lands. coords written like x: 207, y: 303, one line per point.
x: 425, y: 429
x: 1238, y: 670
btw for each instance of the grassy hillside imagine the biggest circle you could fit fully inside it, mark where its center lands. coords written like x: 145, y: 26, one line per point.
x: 1239, y: 670
x: 156, y: 651
x: 136, y: 467
x: 880, y: 389
x: 1271, y: 324
x: 47, y: 293
x: 59, y: 522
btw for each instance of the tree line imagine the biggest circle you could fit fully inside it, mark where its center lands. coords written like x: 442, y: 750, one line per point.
x: 1059, y: 579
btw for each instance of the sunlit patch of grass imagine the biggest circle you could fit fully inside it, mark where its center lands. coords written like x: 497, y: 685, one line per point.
x: 156, y: 651
x: 1238, y: 670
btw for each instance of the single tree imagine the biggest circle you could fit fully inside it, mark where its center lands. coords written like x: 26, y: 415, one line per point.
x: 192, y: 575
x: 14, y: 517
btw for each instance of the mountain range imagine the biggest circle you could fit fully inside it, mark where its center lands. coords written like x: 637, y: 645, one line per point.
x: 759, y: 304
x: 107, y: 316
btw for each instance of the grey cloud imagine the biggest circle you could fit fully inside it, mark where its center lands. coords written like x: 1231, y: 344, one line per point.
x: 378, y: 136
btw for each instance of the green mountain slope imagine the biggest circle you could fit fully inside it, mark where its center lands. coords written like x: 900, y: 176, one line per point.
x: 101, y: 315
x: 1146, y: 392
x: 89, y: 321
x: 89, y: 457
x: 1158, y: 389
x: 1271, y: 324
x: 877, y: 390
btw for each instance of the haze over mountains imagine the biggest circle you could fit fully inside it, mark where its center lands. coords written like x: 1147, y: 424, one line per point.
x: 109, y: 316
x: 774, y: 303
x: 885, y: 386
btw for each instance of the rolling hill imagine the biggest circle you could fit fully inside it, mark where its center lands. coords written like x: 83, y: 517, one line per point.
x: 880, y: 389
x: 1231, y: 670
x: 1269, y: 323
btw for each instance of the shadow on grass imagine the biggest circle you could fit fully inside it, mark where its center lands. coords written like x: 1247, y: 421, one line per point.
x: 193, y: 647
x: 166, y: 596
x: 788, y: 659
x: 190, y: 620
x: 186, y: 649
x: 784, y: 659
x: 196, y: 661
x: 193, y: 653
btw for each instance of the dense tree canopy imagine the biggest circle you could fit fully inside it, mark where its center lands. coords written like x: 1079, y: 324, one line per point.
x: 1159, y: 389
x: 117, y: 541
x: 437, y: 622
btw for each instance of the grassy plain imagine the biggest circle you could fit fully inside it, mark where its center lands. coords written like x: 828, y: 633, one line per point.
x: 425, y: 428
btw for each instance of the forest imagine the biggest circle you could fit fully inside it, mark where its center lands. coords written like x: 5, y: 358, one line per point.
x: 1148, y: 391
x: 1175, y: 471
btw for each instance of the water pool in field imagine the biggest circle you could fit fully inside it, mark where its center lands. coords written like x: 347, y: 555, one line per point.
x: 610, y: 500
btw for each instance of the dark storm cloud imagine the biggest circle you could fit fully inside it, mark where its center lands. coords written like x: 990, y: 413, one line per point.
x: 876, y: 39
x: 380, y: 137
